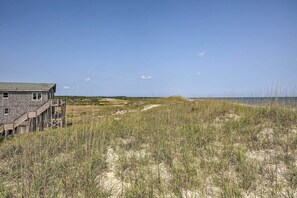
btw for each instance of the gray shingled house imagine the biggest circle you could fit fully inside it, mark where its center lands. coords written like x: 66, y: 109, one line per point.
x: 29, y: 107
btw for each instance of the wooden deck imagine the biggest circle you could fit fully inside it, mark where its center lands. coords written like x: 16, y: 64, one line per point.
x: 44, y: 117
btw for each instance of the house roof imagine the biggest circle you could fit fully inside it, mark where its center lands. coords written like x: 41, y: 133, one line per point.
x: 11, y: 86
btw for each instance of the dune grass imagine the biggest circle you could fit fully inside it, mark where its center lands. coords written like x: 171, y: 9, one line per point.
x: 205, y: 148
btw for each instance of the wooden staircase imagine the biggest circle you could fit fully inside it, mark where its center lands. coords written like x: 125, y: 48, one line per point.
x: 26, y: 116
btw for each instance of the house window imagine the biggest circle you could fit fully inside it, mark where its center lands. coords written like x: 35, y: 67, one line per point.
x: 6, y: 111
x: 5, y: 95
x: 36, y: 96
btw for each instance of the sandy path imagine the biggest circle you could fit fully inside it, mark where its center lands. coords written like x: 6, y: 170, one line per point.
x: 150, y: 107
x: 144, y: 109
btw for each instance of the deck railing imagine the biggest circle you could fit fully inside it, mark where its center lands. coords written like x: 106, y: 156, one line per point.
x: 43, y: 107
x: 20, y: 119
x: 58, y: 102
x: 8, y: 127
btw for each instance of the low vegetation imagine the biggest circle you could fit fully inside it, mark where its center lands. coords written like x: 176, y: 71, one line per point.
x: 179, y: 148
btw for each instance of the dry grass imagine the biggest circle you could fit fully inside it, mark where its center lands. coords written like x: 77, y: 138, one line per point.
x: 179, y: 149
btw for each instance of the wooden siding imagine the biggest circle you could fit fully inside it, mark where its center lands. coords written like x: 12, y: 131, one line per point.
x: 19, y: 103
x: 25, y: 114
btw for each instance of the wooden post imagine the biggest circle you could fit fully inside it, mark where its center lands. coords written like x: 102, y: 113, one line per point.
x: 46, y: 119
x: 51, y: 116
x: 37, y: 123
x: 42, y: 121
x: 28, y: 125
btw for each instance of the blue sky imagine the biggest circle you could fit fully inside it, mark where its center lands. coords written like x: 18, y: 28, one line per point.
x: 151, y: 47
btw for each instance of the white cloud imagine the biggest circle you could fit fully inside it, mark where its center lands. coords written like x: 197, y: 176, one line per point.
x: 146, y: 77
x: 66, y: 87
x: 201, y: 53
x: 87, y: 79
x: 198, y: 73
